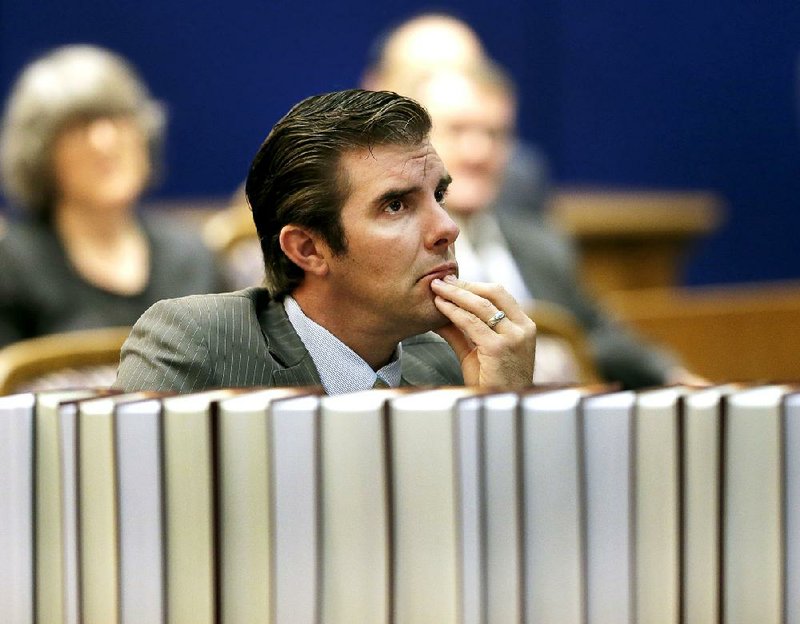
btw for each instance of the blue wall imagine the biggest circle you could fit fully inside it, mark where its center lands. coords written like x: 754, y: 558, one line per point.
x: 683, y: 94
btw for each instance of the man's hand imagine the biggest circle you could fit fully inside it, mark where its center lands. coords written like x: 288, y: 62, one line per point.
x: 500, y: 356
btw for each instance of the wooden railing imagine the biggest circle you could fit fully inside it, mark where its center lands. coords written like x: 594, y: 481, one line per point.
x: 634, y: 239
x: 741, y: 332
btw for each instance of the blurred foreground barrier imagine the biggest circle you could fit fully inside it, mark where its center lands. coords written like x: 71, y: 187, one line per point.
x: 573, y: 505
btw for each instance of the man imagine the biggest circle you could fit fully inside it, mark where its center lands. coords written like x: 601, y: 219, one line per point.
x: 425, y: 41
x: 474, y: 110
x: 346, y: 193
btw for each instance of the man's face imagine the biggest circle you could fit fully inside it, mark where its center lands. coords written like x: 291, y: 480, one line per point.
x: 399, y: 238
x: 472, y: 131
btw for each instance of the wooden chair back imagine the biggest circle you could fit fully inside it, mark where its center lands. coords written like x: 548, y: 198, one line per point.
x: 79, y: 358
x: 232, y: 235
x: 554, y: 322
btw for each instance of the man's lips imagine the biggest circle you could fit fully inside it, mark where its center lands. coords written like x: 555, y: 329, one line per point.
x: 451, y: 268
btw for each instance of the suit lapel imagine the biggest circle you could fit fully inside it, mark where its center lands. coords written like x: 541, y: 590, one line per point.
x: 419, y: 372
x: 294, y: 366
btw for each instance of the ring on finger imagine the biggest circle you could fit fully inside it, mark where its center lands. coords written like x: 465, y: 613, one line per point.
x: 496, y: 318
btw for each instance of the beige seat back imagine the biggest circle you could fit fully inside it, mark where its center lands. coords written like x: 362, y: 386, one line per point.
x: 562, y: 349
x: 83, y: 358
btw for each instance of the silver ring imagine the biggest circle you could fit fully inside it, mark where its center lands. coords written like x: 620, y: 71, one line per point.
x: 498, y: 316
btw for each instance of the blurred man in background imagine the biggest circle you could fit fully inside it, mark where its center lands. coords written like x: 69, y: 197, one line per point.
x: 473, y: 107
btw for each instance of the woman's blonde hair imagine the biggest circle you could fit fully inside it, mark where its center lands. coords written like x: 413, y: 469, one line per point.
x: 67, y: 83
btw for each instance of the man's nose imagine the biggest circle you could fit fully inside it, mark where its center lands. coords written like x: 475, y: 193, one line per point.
x: 441, y: 230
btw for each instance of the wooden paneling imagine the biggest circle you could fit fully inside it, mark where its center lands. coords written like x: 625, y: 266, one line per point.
x: 728, y: 333
x: 634, y: 239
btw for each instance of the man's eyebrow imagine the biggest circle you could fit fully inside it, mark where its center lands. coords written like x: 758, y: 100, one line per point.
x: 396, y: 193
x: 400, y: 192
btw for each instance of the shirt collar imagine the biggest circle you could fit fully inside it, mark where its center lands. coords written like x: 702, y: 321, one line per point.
x: 340, y: 368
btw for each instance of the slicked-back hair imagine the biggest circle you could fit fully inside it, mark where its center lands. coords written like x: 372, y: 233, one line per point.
x: 296, y: 177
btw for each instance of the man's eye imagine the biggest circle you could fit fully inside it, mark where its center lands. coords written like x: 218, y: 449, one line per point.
x: 440, y: 195
x: 394, y: 206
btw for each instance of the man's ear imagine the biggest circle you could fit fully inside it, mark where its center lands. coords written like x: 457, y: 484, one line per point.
x: 305, y: 249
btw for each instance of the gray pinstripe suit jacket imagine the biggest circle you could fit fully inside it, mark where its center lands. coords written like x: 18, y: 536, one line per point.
x: 242, y: 339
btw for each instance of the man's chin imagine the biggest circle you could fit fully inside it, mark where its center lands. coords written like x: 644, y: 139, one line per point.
x: 430, y: 320
x: 437, y: 321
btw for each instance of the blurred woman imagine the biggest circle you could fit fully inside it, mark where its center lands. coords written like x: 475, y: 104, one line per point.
x: 80, y: 142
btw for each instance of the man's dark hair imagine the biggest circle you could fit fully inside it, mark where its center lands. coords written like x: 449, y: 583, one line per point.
x: 295, y: 177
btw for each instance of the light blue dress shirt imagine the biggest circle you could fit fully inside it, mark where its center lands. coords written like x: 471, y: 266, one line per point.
x: 340, y: 368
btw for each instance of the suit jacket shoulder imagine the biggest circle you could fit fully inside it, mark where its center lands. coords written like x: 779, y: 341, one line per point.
x: 244, y: 339
x: 206, y: 341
